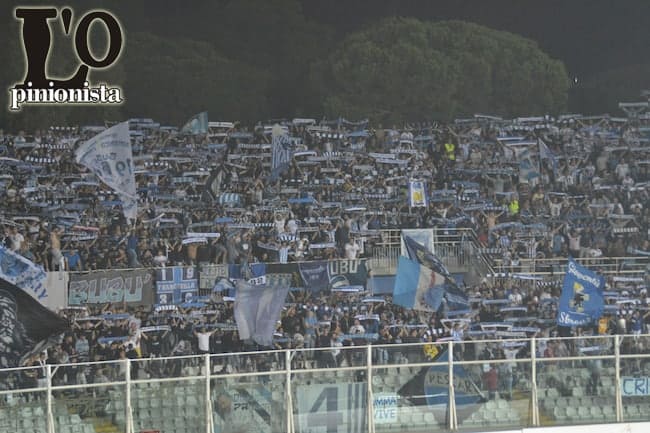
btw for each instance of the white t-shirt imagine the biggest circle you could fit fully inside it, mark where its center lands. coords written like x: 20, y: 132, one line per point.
x: 16, y: 241
x: 204, y: 341
x: 351, y: 251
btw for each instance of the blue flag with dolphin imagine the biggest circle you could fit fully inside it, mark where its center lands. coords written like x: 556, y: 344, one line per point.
x: 447, y: 289
x: 582, y: 301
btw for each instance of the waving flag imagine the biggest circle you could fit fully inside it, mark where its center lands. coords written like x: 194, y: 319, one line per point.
x: 109, y: 156
x: 582, y: 301
x: 257, y: 310
x: 417, y: 287
x: 198, y: 124
x: 282, y: 151
x: 456, y: 298
x: 546, y: 153
x: 24, y: 320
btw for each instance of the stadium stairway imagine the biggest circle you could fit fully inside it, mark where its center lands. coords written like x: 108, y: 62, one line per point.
x: 103, y: 426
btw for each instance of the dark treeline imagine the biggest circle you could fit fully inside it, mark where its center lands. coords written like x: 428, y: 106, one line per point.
x: 249, y: 60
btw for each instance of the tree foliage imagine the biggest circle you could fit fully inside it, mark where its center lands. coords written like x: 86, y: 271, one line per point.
x: 171, y: 79
x: 401, y: 69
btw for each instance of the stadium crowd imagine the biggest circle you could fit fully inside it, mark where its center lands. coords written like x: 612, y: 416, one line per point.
x: 533, y: 188
x: 529, y: 188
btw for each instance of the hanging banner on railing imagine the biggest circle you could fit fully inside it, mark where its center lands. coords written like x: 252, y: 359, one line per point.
x: 176, y: 285
x: 322, y: 275
x: 99, y: 287
x: 635, y: 386
x: 209, y: 274
x: 315, y: 275
x: 332, y: 408
x: 348, y: 272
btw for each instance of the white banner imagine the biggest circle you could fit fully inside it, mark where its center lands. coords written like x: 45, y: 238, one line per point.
x: 108, y: 155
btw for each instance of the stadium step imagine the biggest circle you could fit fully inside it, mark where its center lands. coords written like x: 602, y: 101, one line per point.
x: 102, y: 426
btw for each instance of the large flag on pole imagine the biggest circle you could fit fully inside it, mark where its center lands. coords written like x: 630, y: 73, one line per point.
x: 24, y: 320
x: 546, y: 153
x: 456, y: 298
x: 417, y: 287
x: 198, y: 124
x: 282, y: 151
x: 257, y: 310
x: 109, y: 156
x: 582, y: 301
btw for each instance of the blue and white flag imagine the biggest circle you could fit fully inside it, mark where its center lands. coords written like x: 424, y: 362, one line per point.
x: 418, y: 287
x: 22, y: 273
x: 282, y: 151
x: 546, y: 153
x: 198, y: 124
x: 582, y: 301
x: 257, y: 310
x: 455, y: 297
x: 109, y: 156
x: 417, y: 194
x: 223, y: 285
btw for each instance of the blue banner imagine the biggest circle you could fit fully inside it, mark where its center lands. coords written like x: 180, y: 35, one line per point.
x: 582, y: 301
x: 176, y: 285
x: 315, y: 275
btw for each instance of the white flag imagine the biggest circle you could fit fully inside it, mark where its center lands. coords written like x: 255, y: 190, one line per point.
x: 108, y: 155
x: 257, y: 310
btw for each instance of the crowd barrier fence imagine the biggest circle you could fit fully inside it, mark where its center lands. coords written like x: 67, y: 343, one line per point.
x: 374, y: 388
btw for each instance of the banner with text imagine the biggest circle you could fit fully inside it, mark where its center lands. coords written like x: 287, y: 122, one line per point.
x: 176, y: 285
x: 99, y: 287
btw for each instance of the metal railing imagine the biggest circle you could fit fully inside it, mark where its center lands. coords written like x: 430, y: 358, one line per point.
x: 385, y: 388
x: 624, y: 266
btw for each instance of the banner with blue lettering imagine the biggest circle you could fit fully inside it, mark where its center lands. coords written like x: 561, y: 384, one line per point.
x: 176, y: 285
x: 133, y: 287
x: 582, y: 301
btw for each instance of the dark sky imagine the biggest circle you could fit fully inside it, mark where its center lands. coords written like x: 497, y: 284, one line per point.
x: 590, y: 36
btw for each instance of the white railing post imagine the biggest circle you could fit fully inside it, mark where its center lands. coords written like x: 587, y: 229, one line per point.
x: 288, y: 392
x: 208, y: 399
x: 619, y: 396
x: 50, y: 415
x: 127, y: 396
x: 371, y: 406
x: 453, y: 421
x: 533, y: 382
